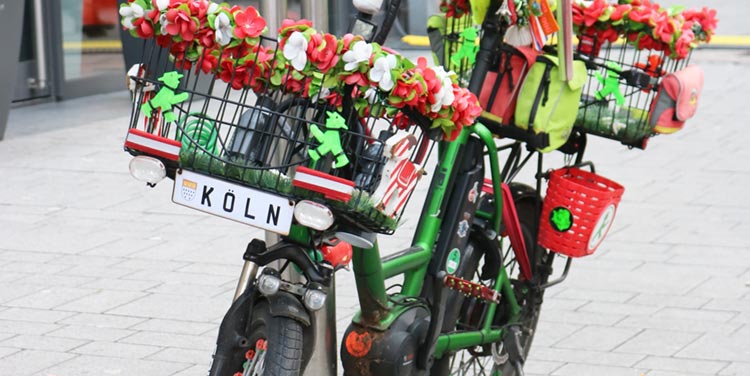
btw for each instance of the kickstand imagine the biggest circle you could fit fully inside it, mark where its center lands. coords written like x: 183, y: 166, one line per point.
x: 512, y: 345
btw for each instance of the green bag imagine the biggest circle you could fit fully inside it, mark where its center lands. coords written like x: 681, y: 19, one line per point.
x: 549, y: 103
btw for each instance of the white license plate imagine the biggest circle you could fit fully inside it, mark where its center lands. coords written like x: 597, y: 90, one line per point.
x: 232, y: 201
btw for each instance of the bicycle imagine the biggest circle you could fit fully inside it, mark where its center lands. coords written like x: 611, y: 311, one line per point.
x: 324, y: 146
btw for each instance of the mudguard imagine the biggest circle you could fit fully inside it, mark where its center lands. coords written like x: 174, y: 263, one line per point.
x: 284, y: 304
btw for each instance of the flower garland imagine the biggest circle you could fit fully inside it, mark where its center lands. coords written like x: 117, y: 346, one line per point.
x: 645, y: 25
x: 225, y: 41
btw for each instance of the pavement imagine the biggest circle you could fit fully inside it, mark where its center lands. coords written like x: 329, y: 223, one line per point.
x: 101, y: 275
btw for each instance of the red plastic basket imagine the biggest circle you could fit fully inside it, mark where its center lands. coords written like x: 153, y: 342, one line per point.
x: 578, y: 211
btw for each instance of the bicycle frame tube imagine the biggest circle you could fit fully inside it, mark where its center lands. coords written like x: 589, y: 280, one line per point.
x: 370, y: 271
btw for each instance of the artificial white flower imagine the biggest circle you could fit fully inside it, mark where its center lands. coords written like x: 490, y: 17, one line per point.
x: 358, y: 53
x: 445, y: 96
x: 129, y: 12
x: 223, y: 29
x: 381, y: 71
x: 162, y: 4
x: 213, y: 8
x: 371, y: 95
x: 295, y: 50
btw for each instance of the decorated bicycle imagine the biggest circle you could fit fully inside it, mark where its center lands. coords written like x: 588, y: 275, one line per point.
x: 322, y: 140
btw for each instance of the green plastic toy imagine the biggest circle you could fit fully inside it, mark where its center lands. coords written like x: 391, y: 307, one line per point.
x: 166, y: 97
x: 611, y: 83
x: 330, y: 140
x: 468, y: 48
x: 561, y: 219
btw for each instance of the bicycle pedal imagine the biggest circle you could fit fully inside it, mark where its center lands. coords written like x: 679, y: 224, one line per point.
x: 472, y: 289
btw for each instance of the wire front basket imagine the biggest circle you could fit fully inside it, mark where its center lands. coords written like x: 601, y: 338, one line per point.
x: 620, y: 90
x: 275, y: 131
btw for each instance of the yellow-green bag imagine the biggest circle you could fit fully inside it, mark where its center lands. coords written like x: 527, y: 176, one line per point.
x: 549, y: 103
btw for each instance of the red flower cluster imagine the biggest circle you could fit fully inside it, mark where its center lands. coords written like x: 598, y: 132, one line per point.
x: 645, y: 25
x: 225, y: 42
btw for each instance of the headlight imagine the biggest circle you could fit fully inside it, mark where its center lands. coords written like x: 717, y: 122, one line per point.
x: 148, y: 169
x: 269, y: 284
x: 314, y: 299
x: 313, y: 215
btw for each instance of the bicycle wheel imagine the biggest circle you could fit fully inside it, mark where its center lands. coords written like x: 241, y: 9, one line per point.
x: 468, y: 313
x: 276, y: 344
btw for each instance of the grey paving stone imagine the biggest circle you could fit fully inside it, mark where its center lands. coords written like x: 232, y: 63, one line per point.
x: 183, y: 341
x: 87, y: 365
x: 33, y: 315
x: 175, y: 307
x: 50, y: 297
x: 581, y: 318
x: 736, y: 369
x: 682, y: 365
x: 629, y: 309
x: 656, y: 300
x: 196, y: 370
x: 685, y: 325
x: 55, y: 280
x: 21, y: 327
x: 5, y: 351
x: 604, y: 358
x: 694, y: 314
x: 121, y: 284
x: 172, y: 354
x: 718, y: 347
x: 102, y: 301
x: 89, y: 332
x: 595, y: 295
x: 13, y: 291
x: 658, y: 342
x: 534, y: 366
x: 597, y: 338
x: 43, y: 343
x: 573, y: 369
x: 28, y: 362
x: 116, y: 349
x: 103, y: 321
x: 175, y: 326
x: 722, y: 287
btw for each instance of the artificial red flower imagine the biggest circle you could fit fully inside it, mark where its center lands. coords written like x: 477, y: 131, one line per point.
x: 642, y: 14
x: 683, y: 44
x: 208, y: 63
x: 665, y: 27
x: 249, y: 23
x: 608, y: 34
x: 592, y: 12
x: 144, y: 27
x: 288, y: 26
x: 321, y: 51
x: 235, y: 76
x: 180, y: 23
x: 619, y: 12
x: 259, y: 67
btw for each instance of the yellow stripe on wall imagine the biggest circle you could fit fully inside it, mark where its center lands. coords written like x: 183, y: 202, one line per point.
x: 716, y: 40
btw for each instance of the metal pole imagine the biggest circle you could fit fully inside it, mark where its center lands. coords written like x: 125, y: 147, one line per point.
x: 317, y: 12
x: 274, y: 11
x: 324, y: 360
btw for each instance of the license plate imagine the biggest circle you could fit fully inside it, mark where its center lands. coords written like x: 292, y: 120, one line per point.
x: 232, y: 201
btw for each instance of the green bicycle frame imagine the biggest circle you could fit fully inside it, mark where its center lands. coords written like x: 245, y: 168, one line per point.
x: 370, y: 272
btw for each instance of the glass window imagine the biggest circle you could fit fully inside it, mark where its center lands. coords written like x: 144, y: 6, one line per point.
x: 91, y: 39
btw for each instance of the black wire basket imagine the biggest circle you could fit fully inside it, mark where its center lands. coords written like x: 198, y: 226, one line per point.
x: 454, y: 40
x: 274, y: 131
x: 620, y: 90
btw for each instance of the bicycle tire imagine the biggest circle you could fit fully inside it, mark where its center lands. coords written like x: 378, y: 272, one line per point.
x: 479, y: 362
x: 283, y: 339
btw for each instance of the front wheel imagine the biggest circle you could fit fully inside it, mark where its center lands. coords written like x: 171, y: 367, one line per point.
x: 276, y: 344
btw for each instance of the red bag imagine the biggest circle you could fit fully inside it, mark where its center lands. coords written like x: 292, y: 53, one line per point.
x: 676, y: 99
x: 503, y: 83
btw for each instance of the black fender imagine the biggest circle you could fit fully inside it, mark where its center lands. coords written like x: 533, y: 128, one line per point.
x: 284, y: 304
x: 522, y: 192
